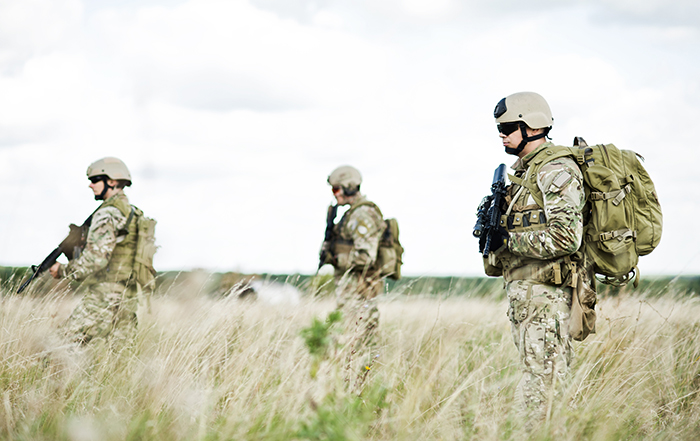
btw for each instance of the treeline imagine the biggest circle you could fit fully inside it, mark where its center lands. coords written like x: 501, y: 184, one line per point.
x: 223, y: 283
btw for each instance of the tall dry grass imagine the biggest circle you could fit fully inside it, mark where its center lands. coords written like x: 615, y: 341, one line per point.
x: 215, y: 369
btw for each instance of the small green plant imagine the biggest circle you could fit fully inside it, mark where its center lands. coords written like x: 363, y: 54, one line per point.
x: 318, y: 339
x: 345, y: 416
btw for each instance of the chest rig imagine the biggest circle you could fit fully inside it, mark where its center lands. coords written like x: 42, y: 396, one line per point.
x: 525, y: 213
x: 121, y: 262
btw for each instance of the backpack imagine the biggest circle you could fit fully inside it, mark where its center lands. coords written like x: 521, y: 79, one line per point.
x: 390, y: 251
x: 143, y: 273
x: 622, y: 221
x: 622, y: 217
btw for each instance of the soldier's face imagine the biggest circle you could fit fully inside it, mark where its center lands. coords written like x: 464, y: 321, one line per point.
x: 512, y: 140
x: 97, y: 187
x: 339, y: 195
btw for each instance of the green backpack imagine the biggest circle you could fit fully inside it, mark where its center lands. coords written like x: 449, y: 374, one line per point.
x: 390, y: 252
x: 622, y: 218
x: 144, y: 273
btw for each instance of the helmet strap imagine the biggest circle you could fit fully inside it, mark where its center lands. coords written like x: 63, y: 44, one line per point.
x: 351, y: 191
x: 526, y: 139
x: 105, y: 188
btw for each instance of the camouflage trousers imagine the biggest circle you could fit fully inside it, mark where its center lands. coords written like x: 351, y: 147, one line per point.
x: 357, y: 300
x: 539, y: 316
x: 107, y: 311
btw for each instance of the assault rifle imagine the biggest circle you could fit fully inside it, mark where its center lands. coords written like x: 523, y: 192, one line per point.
x: 328, y: 238
x: 71, y: 246
x: 488, y: 223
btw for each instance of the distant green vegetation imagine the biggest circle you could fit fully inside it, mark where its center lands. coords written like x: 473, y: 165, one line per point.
x: 218, y: 283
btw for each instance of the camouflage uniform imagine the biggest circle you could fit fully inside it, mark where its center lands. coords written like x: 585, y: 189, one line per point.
x: 534, y: 267
x: 108, y: 308
x: 357, y: 237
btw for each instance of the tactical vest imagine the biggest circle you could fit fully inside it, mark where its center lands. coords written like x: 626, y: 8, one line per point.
x: 343, y: 242
x: 521, y: 216
x: 121, y: 264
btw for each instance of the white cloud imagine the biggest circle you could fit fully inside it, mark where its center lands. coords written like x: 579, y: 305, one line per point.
x: 228, y: 55
x: 231, y: 115
x: 34, y: 27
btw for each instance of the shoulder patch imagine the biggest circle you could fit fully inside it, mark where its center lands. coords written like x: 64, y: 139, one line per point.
x: 560, y: 181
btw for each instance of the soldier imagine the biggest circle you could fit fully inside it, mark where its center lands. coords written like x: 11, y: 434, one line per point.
x: 537, y: 244
x: 353, y: 251
x: 108, y: 309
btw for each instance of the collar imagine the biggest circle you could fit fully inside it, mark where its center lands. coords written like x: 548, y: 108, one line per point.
x: 359, y: 198
x: 521, y: 163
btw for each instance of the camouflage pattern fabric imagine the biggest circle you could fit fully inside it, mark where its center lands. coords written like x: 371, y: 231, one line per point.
x: 539, y: 316
x: 101, y: 240
x: 107, y: 312
x: 561, y: 183
x: 107, y: 309
x: 357, y: 289
x: 539, y: 311
x: 357, y: 300
x: 363, y: 227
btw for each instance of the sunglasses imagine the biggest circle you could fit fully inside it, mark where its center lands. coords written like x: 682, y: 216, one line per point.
x: 96, y: 179
x: 508, y: 128
x: 336, y: 189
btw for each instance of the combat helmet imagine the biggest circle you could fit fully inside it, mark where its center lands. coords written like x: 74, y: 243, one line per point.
x: 528, y: 109
x: 108, y: 168
x: 346, y: 177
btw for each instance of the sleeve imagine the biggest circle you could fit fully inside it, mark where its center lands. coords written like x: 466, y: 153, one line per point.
x: 101, y: 240
x: 366, y: 228
x: 561, y: 183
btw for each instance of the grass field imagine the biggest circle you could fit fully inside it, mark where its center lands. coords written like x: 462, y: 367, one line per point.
x: 206, y: 368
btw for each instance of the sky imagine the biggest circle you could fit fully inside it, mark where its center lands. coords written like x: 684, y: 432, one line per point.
x: 231, y: 114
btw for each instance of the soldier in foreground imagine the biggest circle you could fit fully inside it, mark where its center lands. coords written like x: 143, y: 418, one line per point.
x: 351, y: 247
x: 534, y: 247
x: 105, y: 265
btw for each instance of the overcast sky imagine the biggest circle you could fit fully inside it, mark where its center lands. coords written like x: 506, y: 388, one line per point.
x: 231, y: 114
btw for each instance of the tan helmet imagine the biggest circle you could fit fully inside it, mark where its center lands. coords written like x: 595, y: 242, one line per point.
x: 113, y: 168
x: 347, y: 177
x: 528, y: 107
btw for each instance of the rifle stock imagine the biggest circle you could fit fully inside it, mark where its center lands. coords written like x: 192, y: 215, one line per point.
x: 71, y: 247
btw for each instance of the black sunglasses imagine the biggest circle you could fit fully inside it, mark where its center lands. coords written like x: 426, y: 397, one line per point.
x: 508, y: 128
x: 96, y: 179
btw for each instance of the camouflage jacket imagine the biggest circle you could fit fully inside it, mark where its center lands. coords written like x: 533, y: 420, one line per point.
x: 541, y: 236
x: 101, y: 242
x: 357, y: 236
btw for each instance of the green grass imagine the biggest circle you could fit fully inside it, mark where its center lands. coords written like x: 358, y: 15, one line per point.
x: 214, y: 368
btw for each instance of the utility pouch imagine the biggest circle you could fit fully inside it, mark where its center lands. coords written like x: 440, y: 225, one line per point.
x: 583, y: 301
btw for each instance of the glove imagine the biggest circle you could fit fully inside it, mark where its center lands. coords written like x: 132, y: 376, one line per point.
x: 499, y: 240
x: 326, y: 254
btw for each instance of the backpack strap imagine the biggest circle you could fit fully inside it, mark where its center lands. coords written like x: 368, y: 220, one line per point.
x: 125, y: 208
x: 124, y: 231
x: 544, y: 156
x: 355, y: 207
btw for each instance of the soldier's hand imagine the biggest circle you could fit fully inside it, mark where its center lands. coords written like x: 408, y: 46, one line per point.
x: 500, y: 240
x: 326, y: 254
x: 485, y: 203
x: 55, y: 270
x: 329, y: 259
